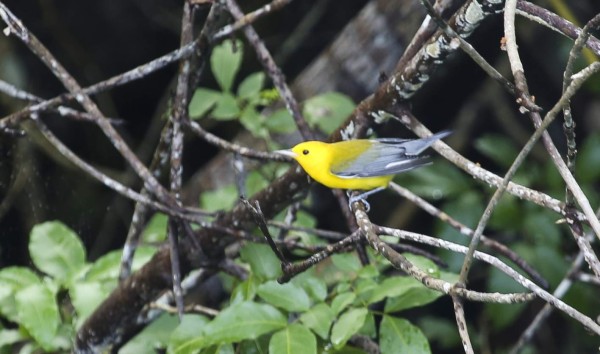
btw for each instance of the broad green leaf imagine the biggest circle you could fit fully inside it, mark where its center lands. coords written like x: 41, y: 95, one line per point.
x: 10, y: 336
x: 281, y: 122
x: 363, y: 287
x: 16, y: 278
x: 347, y: 262
x: 56, y: 250
x: 341, y: 301
x: 328, y: 111
x: 498, y: 148
x: 397, y: 335
x: 156, y: 229
x: 219, y: 349
x: 262, y: 260
x: 203, y: 101
x: 226, y: 108
x: 225, y: 62
x: 368, y: 329
x: 314, y: 286
x: 347, y: 325
x: 425, y: 264
x: 154, y: 336
x: 219, y: 199
x: 245, y: 291
x: 255, y: 182
x: 244, y: 320
x: 186, y: 336
x: 391, y: 287
x: 13, y: 279
x: 294, y: 339
x: 414, y: 297
x: 38, y: 313
x: 288, y: 296
x: 108, y: 266
x: 86, y: 296
x: 319, y: 318
x: 254, y: 122
x: 369, y: 271
x: 251, y: 86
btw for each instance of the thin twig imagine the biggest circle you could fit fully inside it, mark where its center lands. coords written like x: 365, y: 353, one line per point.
x: 249, y: 18
x: 16, y: 27
x: 465, y: 230
x: 498, y: 264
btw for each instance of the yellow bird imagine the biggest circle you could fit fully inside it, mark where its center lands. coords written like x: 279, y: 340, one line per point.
x: 362, y: 164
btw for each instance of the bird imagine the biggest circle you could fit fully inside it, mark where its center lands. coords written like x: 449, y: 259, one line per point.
x: 366, y: 165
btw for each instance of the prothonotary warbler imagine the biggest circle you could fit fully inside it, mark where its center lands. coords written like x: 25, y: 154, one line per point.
x: 361, y: 164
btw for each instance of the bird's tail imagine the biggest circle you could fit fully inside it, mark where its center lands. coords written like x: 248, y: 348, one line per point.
x: 415, y: 147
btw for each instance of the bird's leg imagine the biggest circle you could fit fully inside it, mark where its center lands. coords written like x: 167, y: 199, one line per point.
x: 363, y: 197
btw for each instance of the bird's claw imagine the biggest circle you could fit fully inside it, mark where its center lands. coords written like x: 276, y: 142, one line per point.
x: 359, y: 198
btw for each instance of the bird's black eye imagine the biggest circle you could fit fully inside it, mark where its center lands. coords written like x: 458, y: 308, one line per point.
x: 305, y: 152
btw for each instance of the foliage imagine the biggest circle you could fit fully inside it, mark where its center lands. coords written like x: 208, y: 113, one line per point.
x: 47, y: 304
x: 324, y: 112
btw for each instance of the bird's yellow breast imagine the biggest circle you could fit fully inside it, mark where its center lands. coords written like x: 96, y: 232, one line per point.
x: 318, y: 158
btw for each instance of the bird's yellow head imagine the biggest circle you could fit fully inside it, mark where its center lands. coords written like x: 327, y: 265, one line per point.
x: 311, y: 155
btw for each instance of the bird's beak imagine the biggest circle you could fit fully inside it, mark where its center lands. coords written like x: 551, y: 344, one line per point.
x: 288, y: 153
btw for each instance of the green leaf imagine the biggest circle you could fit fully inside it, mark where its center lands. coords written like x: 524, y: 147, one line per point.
x: 347, y: 325
x: 244, y: 320
x: 245, y: 291
x: 38, y: 313
x: 185, y: 336
x: 156, y: 229
x: 219, y: 349
x: 347, y: 262
x: 498, y: 148
x: 226, y: 108
x: 314, y: 286
x: 319, y: 318
x: 10, y: 336
x: 56, y: 250
x: 225, y: 62
x: 408, y: 294
x: 219, y: 199
x: 251, y: 86
x: 253, y: 122
x: 154, y: 336
x: 262, y: 260
x: 108, y: 266
x: 328, y: 111
x: 288, y: 296
x: 86, y: 296
x: 425, y: 264
x: 342, y: 301
x: 397, y: 335
x: 281, y: 122
x: 202, y: 101
x: 293, y: 339
x: 13, y: 279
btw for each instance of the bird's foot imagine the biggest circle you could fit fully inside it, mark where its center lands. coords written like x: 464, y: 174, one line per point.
x: 362, y: 197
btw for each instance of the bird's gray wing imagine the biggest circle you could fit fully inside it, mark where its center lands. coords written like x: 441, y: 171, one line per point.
x: 388, y: 157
